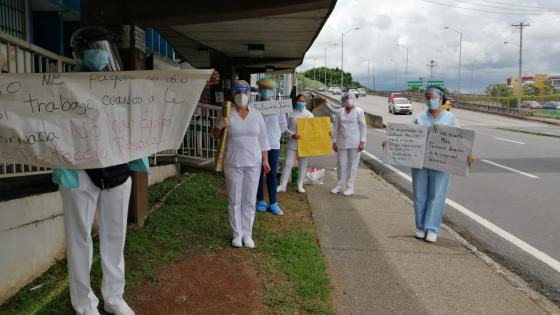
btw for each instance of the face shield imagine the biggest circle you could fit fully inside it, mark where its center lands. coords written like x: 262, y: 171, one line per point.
x: 95, y: 50
x: 433, y: 98
x: 241, y: 91
x: 348, y: 99
x: 267, y: 88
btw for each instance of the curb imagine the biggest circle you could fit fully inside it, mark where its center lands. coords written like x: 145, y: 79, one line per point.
x: 403, y: 186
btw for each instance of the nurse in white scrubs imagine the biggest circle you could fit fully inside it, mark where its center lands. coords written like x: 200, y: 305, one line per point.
x: 349, y: 139
x: 246, y: 154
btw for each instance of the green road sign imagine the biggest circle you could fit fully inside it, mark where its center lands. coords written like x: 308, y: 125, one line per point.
x: 415, y: 84
x: 436, y: 83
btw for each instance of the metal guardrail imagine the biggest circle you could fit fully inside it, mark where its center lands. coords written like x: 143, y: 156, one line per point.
x: 24, y: 57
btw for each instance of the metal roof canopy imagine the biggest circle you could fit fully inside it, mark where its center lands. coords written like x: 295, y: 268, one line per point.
x: 285, y: 28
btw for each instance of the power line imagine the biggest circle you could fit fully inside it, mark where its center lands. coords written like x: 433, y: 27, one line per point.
x: 516, y: 5
x: 535, y: 9
x: 485, y: 11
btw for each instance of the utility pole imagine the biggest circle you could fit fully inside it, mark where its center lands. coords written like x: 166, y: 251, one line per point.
x: 432, y: 65
x: 342, y: 58
x: 406, y: 69
x: 521, y: 26
x: 314, y: 79
x: 326, y: 63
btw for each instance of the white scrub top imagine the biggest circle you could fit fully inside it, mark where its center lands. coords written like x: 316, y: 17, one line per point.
x: 246, y: 139
x: 292, y: 125
x: 444, y: 117
x: 349, y: 129
x: 275, y: 126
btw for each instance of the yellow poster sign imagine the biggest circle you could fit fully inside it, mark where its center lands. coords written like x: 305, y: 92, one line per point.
x: 315, y: 136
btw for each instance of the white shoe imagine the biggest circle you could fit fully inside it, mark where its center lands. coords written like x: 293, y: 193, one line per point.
x: 91, y: 311
x: 335, y: 190
x: 236, y: 242
x: 249, y: 243
x: 420, y: 234
x: 281, y: 189
x: 431, y: 237
x: 119, y: 309
x: 300, y: 189
x: 348, y: 192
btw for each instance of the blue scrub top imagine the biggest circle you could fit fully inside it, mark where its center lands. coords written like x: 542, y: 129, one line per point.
x: 444, y: 118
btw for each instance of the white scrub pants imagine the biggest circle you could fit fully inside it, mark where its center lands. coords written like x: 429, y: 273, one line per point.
x: 242, y: 184
x: 80, y: 205
x: 346, y: 167
x: 291, y: 156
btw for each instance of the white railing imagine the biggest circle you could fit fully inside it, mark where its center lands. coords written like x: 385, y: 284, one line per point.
x: 198, y: 141
x: 24, y: 57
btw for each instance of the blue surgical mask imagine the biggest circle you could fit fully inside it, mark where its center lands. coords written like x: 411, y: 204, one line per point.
x: 95, y: 59
x: 266, y: 94
x: 434, y: 103
x: 300, y: 105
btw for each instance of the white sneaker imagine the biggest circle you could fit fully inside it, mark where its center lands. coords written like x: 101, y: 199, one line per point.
x: 420, y: 234
x: 335, y: 190
x: 431, y: 237
x: 300, y: 189
x: 119, y: 309
x: 91, y: 311
x: 281, y: 189
x: 249, y: 243
x: 236, y: 242
x: 348, y: 192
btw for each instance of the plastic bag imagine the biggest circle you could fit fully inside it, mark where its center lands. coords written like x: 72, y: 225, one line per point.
x: 314, y: 176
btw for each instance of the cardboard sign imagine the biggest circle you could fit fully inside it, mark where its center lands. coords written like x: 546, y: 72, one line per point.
x: 98, y: 119
x: 406, y: 145
x: 315, y: 136
x: 439, y: 147
x: 273, y: 107
x: 447, y: 149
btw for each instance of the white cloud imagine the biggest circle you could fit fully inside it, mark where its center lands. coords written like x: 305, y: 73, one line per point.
x: 419, y: 26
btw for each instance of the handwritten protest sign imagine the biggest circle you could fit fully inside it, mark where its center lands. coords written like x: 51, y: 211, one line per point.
x: 273, y: 107
x: 447, y: 149
x: 406, y: 145
x: 97, y: 119
x: 315, y: 136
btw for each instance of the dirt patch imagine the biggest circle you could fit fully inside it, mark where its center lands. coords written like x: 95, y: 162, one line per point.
x: 217, y: 282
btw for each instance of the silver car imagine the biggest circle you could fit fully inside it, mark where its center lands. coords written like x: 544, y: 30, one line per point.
x: 400, y: 105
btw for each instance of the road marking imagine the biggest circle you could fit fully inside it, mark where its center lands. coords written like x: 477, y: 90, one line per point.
x: 503, y: 139
x: 510, y: 169
x: 551, y: 262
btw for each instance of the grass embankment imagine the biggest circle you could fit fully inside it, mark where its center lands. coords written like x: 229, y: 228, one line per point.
x: 191, y: 214
x: 554, y: 114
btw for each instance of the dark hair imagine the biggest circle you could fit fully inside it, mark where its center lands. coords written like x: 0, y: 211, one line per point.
x: 443, y: 96
x: 300, y: 95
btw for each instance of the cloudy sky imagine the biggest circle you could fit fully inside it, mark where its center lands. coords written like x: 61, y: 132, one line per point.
x: 419, y: 25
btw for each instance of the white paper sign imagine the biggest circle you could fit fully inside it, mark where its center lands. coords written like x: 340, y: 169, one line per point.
x: 273, y: 107
x: 406, y: 145
x: 97, y: 119
x: 447, y: 149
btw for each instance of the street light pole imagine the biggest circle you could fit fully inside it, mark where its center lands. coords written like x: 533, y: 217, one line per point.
x: 406, y: 68
x: 368, y: 80
x: 326, y: 62
x: 520, y: 65
x: 342, y: 59
x: 460, y: 53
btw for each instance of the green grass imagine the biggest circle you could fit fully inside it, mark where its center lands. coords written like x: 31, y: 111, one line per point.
x: 308, y: 83
x: 194, y: 216
x: 547, y: 114
x: 536, y: 133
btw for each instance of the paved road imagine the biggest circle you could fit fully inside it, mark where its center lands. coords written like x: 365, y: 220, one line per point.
x: 515, y: 185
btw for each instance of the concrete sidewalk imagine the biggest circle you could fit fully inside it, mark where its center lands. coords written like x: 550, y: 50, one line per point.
x: 378, y: 267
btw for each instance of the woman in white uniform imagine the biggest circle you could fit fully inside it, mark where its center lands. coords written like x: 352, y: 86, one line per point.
x: 291, y: 154
x: 349, y: 139
x: 246, y: 153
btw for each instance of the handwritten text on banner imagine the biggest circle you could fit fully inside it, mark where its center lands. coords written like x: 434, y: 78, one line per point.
x: 273, y: 107
x: 97, y: 119
x: 406, y: 145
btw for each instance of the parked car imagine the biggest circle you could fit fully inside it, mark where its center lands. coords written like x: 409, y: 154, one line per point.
x: 530, y: 104
x: 331, y: 89
x: 551, y: 105
x: 449, y: 104
x: 336, y: 90
x: 393, y: 95
x: 400, y: 105
x: 321, y: 88
x: 362, y: 91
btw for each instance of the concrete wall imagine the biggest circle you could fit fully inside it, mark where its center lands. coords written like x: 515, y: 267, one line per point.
x: 32, y: 234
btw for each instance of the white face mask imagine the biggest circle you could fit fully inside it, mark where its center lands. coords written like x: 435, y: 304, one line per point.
x: 241, y: 100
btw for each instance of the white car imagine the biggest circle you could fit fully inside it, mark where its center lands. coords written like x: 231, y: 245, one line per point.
x: 356, y: 94
x: 400, y: 105
x: 336, y: 90
x: 362, y: 91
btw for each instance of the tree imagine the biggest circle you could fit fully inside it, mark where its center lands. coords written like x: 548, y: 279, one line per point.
x: 498, y: 89
x: 333, y: 76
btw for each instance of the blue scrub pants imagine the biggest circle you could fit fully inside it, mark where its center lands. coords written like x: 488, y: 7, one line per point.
x: 429, y: 190
x: 271, y: 181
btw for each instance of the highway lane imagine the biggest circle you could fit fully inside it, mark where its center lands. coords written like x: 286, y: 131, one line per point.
x: 515, y: 183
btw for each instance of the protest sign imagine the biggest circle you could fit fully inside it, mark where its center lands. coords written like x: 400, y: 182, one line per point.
x: 447, y: 149
x: 273, y: 107
x: 97, y: 119
x: 315, y: 136
x: 406, y: 145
